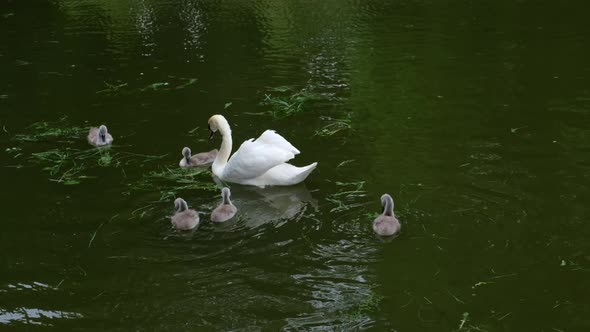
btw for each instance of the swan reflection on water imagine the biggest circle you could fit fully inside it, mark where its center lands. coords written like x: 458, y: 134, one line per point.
x: 258, y: 206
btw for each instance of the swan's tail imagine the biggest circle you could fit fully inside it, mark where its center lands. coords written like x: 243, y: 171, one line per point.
x: 304, y: 173
x: 283, y: 175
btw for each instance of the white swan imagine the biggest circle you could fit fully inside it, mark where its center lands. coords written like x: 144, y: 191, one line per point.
x: 262, y: 162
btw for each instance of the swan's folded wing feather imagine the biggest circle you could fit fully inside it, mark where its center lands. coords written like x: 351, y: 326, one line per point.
x: 272, y: 138
x: 254, y: 158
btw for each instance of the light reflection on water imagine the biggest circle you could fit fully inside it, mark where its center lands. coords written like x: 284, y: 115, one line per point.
x: 35, y: 316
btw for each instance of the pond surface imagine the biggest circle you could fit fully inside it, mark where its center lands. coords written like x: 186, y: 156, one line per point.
x: 474, y: 116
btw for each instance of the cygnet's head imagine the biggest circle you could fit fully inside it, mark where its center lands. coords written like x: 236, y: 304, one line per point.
x: 225, y: 194
x: 216, y: 122
x: 102, y: 132
x: 186, y: 152
x: 387, y: 203
x: 180, y: 205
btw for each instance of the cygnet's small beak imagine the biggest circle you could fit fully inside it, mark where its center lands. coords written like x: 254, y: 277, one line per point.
x: 211, y: 133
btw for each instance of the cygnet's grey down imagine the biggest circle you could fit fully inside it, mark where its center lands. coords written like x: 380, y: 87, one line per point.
x: 99, y: 136
x: 226, y: 210
x: 184, y: 219
x: 386, y: 224
x: 200, y: 159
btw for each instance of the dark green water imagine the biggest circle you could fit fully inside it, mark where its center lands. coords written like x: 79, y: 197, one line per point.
x: 474, y: 115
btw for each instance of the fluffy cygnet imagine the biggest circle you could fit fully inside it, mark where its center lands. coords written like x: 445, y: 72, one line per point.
x: 184, y: 218
x: 200, y: 159
x: 226, y: 210
x: 99, y: 136
x: 386, y: 224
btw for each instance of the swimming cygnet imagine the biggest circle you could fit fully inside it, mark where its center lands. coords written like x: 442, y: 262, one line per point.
x: 184, y: 219
x: 99, y: 136
x: 226, y: 210
x: 200, y: 159
x: 386, y: 224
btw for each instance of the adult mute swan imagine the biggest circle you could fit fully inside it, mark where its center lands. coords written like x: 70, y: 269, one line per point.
x: 261, y: 162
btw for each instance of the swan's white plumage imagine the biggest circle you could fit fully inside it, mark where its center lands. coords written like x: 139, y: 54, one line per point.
x: 261, y: 162
x: 254, y: 158
x: 271, y: 137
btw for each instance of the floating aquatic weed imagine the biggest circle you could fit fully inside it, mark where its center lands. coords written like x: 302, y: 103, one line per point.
x: 175, y: 83
x: 284, y: 102
x: 75, y: 161
x: 44, y: 130
x: 190, y: 81
x: 105, y: 159
x: 344, y: 163
x: 112, y: 88
x: 227, y: 105
x: 281, y: 89
x: 345, y: 200
x: 334, y: 126
x: 193, y: 131
x: 72, y: 177
x: 168, y: 183
x: 156, y: 86
x: 66, y: 165
x: 464, y: 320
x: 14, y: 150
x: 60, y: 160
x: 130, y: 158
x: 172, y: 180
x: 179, y: 175
x: 471, y: 328
x: 56, y: 158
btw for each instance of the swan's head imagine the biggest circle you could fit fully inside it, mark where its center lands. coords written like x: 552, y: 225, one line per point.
x: 225, y: 194
x: 102, y: 132
x: 186, y: 152
x: 385, y: 198
x: 180, y: 205
x: 387, y: 203
x: 218, y: 122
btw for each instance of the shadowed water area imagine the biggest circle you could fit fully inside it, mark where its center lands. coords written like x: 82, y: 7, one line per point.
x: 473, y: 115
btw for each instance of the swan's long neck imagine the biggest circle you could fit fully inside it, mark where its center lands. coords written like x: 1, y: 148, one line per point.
x: 225, y: 150
x: 226, y: 199
x: 388, y: 207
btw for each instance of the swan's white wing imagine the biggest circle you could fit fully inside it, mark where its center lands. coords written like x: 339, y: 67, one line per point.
x: 254, y: 158
x: 272, y: 138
